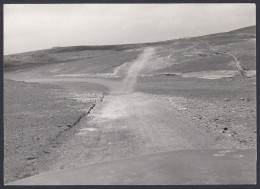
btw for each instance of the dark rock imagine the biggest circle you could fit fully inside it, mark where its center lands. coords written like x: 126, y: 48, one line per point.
x: 225, y: 128
x: 31, y: 158
x: 199, y: 117
x: 243, y: 141
x: 46, y: 152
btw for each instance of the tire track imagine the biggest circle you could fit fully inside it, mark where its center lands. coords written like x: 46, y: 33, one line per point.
x: 237, y: 63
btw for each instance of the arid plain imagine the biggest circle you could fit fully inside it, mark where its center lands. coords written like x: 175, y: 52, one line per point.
x: 71, y: 106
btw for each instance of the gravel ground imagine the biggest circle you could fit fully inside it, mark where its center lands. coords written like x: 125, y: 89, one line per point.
x: 62, y: 115
x: 226, y: 106
x: 38, y: 118
x: 46, y: 127
x: 154, y: 120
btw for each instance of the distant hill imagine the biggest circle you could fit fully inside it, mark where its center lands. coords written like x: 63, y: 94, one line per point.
x: 184, y: 55
x: 250, y: 29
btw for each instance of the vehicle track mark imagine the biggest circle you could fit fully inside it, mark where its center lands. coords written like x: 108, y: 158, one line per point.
x: 237, y: 63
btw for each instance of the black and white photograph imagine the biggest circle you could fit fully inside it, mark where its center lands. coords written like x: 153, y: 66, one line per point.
x: 129, y: 94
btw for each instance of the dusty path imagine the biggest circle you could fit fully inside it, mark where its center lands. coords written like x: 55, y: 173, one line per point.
x: 129, y: 123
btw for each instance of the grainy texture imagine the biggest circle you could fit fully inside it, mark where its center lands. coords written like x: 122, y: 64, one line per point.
x: 192, y: 93
x: 38, y: 119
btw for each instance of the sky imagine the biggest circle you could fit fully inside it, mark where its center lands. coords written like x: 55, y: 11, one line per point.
x: 29, y: 27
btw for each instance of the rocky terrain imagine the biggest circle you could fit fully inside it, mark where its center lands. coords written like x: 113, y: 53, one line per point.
x: 71, y: 106
x: 39, y: 119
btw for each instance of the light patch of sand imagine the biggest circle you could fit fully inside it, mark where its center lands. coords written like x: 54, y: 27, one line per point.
x: 54, y: 70
x: 214, y: 74
x: 84, y: 131
x: 117, y: 108
x: 70, y: 75
x: 225, y: 151
x: 250, y: 73
x: 219, y: 155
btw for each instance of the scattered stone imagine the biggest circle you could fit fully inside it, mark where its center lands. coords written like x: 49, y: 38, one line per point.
x: 242, y: 99
x: 199, y: 116
x: 24, y: 175
x: 46, y: 152
x: 31, y: 158
x: 243, y: 141
x: 253, y: 83
x: 227, y: 99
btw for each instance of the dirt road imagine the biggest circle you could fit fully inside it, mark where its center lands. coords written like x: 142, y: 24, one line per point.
x: 128, y: 123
